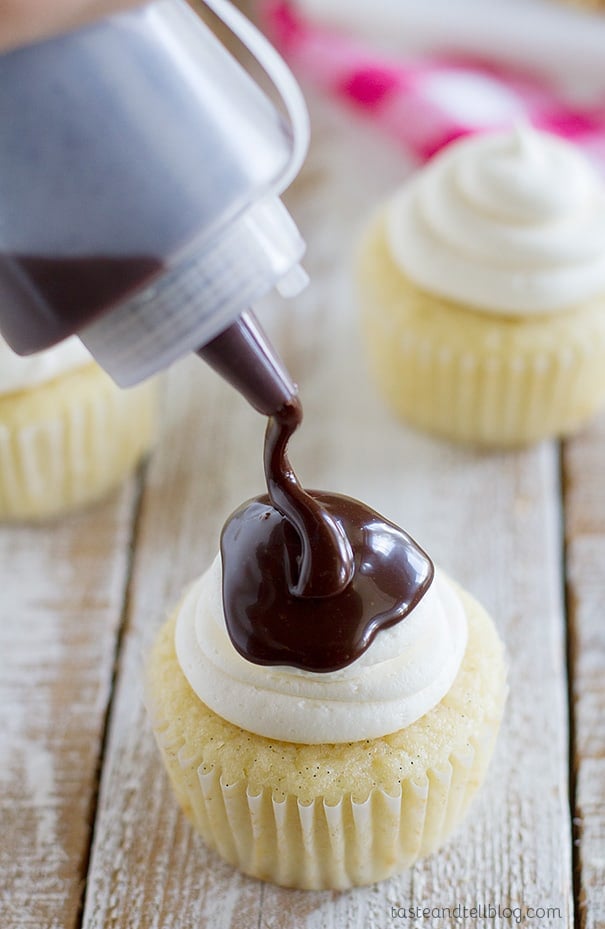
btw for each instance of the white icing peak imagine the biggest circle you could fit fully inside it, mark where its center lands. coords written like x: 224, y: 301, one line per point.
x: 21, y: 373
x: 406, y: 671
x: 510, y: 222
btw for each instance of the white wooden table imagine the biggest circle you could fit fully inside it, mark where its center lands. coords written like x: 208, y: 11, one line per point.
x: 90, y: 835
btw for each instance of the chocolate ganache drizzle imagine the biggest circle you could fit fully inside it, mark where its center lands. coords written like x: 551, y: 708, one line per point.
x: 310, y: 578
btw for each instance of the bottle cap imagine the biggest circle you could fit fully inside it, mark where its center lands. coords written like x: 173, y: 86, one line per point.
x: 201, y: 295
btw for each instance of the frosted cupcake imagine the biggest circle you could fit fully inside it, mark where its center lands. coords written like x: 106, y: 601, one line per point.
x: 482, y: 290
x: 68, y: 435
x: 323, y: 740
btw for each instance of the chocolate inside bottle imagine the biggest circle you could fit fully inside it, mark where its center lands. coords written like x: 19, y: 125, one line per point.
x: 310, y: 578
x: 50, y: 297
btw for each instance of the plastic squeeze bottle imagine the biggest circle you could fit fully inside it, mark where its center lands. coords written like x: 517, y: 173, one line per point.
x: 140, y: 174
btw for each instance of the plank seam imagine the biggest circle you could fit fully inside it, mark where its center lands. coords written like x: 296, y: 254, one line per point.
x: 131, y: 545
x: 571, y: 656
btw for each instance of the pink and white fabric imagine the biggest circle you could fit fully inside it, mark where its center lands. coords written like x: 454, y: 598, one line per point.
x: 426, y: 102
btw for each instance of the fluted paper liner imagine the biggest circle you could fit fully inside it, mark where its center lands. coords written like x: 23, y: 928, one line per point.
x: 350, y: 840
x: 476, y: 376
x: 318, y: 845
x: 66, y: 443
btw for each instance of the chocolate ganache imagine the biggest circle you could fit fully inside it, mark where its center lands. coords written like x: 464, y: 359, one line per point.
x: 310, y: 578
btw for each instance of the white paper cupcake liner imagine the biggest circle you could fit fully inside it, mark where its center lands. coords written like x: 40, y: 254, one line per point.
x: 89, y: 441
x: 472, y: 375
x: 318, y: 845
x: 481, y: 395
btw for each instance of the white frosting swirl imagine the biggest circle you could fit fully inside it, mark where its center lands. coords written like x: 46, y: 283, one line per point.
x: 20, y: 373
x: 406, y: 671
x: 510, y: 222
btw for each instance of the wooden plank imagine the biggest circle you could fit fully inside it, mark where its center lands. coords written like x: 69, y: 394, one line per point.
x: 491, y: 520
x: 583, y: 463
x: 62, y: 596
x: 147, y: 869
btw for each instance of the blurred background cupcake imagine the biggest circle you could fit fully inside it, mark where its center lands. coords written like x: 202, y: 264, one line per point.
x: 521, y: 361
x: 68, y: 435
x: 482, y: 288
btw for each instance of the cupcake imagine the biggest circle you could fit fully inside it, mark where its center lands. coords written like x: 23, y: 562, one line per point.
x: 482, y: 291
x: 68, y: 435
x: 324, y: 728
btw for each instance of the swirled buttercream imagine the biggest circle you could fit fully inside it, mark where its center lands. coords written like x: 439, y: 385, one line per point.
x: 510, y: 222
x: 20, y: 373
x: 406, y: 671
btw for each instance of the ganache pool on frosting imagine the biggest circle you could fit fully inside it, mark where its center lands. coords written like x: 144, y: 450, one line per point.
x: 320, y: 621
x: 270, y: 624
x: 310, y: 578
x: 404, y: 673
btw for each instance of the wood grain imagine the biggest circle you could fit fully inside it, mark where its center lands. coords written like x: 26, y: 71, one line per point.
x: 491, y: 520
x: 62, y: 597
x: 585, y: 524
x: 147, y: 869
